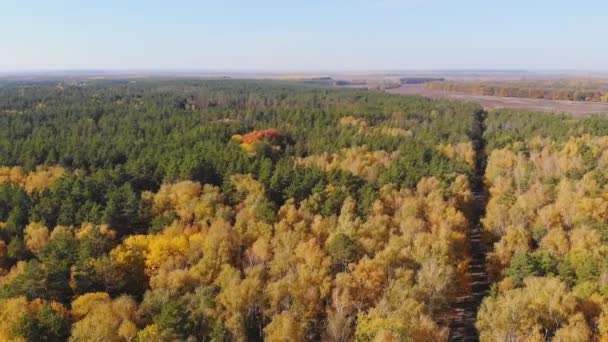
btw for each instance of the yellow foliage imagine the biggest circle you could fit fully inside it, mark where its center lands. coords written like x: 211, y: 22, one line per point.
x: 192, y: 201
x: 87, y: 229
x: 238, y: 296
x: 36, y: 236
x: 357, y: 160
x: 248, y: 148
x: 352, y: 121
x: 366, y: 279
x: 543, y: 305
x: 219, y: 249
x: 132, y: 252
x: 284, y: 327
x: 43, y: 178
x: 462, y: 151
x: 399, y: 316
x: 179, y: 197
x: 306, y: 279
x: 365, y: 129
x: 3, y: 251
x: 556, y: 241
x: 105, y: 320
x: 151, y: 332
x: 82, y: 305
x: 37, y: 180
x: 13, y: 272
x: 602, y: 324
x: 15, y: 175
x: 549, y: 199
x: 166, y: 252
x: 392, y: 131
x: 586, y: 240
x: 576, y: 330
x: 12, y: 310
x: 61, y: 231
x: 283, y: 270
x: 248, y: 186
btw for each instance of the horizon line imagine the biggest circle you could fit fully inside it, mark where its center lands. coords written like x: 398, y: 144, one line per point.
x: 308, y: 70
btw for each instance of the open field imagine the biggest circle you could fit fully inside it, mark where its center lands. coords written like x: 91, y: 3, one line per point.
x: 493, y: 102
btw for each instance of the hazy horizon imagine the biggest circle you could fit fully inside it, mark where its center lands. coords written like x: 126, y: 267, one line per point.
x: 269, y: 35
x: 305, y: 72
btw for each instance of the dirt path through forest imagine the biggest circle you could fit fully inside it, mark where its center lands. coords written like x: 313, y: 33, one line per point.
x: 462, y: 327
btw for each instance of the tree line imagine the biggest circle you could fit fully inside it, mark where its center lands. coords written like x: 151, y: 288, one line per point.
x: 592, y: 91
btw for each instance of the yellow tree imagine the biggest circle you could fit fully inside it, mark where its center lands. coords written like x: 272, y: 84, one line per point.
x: 36, y: 236
x: 365, y: 280
x: 541, y: 307
x: 304, y: 282
x: 399, y: 316
x: 104, y: 319
x: 239, y: 299
x: 12, y: 310
x: 285, y: 327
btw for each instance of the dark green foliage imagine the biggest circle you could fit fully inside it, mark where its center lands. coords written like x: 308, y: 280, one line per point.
x: 507, y: 126
x: 173, y: 317
x: 16, y: 249
x: 525, y: 265
x: 602, y: 228
x: 333, y: 202
x: 159, y: 222
x: 11, y: 197
x: 567, y: 273
x: 343, y: 249
x: 267, y: 211
x: 366, y: 195
x: 47, y: 325
x: 573, y: 271
x: 219, y: 333
x: 588, y: 159
x: 522, y: 265
x: 417, y: 163
x: 31, y: 283
x: 546, y: 263
x: 58, y: 256
x: 122, y: 209
x: 127, y: 137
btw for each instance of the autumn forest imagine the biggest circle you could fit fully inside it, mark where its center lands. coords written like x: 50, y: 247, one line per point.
x: 249, y: 210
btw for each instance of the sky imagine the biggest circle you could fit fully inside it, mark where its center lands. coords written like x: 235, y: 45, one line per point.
x: 298, y: 35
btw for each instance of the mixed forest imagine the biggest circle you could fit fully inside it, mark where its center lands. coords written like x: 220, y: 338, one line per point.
x: 547, y: 224
x: 233, y: 210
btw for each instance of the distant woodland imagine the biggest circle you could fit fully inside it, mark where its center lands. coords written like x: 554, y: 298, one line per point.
x: 231, y: 210
x: 570, y: 90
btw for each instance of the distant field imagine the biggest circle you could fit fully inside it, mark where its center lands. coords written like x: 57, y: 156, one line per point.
x: 493, y: 102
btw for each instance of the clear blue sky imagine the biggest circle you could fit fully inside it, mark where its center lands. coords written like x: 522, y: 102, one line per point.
x: 303, y: 35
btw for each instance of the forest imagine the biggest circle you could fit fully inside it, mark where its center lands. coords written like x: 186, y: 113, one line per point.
x: 230, y: 211
x: 546, y: 220
x: 242, y: 210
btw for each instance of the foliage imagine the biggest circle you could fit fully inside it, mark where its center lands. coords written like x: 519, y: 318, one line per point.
x: 546, y: 216
x: 135, y: 205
